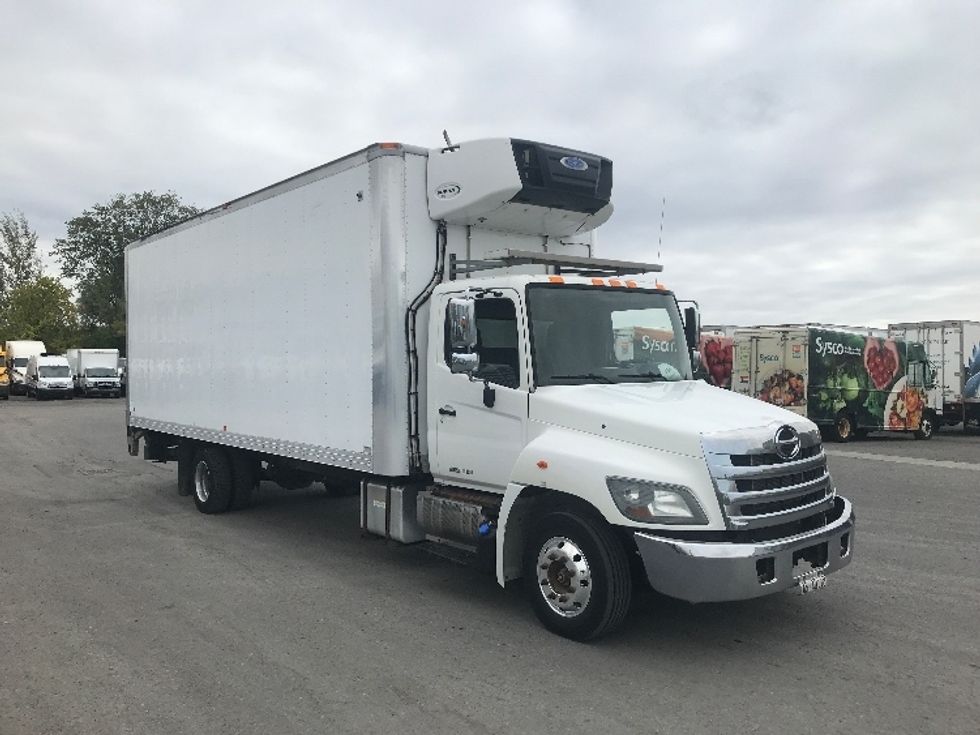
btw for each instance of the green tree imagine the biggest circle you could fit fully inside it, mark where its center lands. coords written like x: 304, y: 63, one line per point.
x: 92, y: 254
x: 19, y: 261
x: 42, y: 309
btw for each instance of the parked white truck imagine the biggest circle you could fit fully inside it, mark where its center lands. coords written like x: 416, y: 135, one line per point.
x: 48, y: 376
x: 19, y: 351
x: 95, y: 372
x: 953, y: 350
x: 443, y: 333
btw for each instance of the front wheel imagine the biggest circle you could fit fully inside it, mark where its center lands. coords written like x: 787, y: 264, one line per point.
x: 577, y: 575
x: 843, y: 429
x: 927, y: 426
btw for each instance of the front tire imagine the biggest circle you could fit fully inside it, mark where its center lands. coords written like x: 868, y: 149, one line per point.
x: 577, y: 575
x: 927, y: 426
x: 843, y: 428
x: 212, y: 480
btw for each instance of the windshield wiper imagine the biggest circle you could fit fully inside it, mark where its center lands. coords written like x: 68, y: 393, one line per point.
x: 651, y: 374
x: 584, y: 376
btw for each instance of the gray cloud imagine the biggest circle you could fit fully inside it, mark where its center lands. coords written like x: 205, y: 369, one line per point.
x: 819, y: 162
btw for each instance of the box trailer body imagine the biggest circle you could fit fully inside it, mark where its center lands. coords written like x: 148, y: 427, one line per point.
x: 953, y: 349
x: 95, y: 372
x: 847, y: 381
x: 19, y: 351
x: 435, y: 324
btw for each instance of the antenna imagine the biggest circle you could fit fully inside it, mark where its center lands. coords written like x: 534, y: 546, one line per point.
x: 660, y: 238
x: 449, y: 143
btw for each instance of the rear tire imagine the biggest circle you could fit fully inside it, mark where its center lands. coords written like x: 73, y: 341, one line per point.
x: 577, y: 575
x: 927, y: 427
x: 213, y: 481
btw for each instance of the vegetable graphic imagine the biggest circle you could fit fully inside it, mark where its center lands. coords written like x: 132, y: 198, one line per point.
x: 716, y: 356
x: 881, y: 361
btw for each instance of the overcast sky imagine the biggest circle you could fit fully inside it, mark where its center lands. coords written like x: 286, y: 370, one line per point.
x: 820, y: 160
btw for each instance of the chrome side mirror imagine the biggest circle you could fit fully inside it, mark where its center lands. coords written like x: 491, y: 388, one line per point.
x: 464, y: 362
x: 461, y: 316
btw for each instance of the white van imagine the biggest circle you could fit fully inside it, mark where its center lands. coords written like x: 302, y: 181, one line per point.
x: 49, y: 376
x: 19, y: 351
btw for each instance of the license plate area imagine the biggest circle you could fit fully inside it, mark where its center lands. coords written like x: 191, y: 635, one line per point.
x: 808, y: 566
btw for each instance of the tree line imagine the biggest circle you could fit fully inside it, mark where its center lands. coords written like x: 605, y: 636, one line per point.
x: 86, y: 305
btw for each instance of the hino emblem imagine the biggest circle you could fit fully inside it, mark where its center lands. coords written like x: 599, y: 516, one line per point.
x: 787, y: 441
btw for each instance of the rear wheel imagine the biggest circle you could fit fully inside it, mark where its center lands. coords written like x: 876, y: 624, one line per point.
x: 843, y: 429
x: 927, y: 426
x: 577, y: 575
x: 212, y: 480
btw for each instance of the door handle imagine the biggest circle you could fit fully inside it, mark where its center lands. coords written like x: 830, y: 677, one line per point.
x: 447, y: 411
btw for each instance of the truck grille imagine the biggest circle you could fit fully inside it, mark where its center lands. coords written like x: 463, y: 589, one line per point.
x: 759, y: 490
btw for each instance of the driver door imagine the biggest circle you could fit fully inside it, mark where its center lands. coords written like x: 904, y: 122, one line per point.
x: 472, y: 443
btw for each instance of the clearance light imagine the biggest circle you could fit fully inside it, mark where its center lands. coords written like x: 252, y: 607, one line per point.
x: 661, y: 286
x: 631, y: 284
x: 615, y: 282
x: 555, y: 279
x: 389, y: 146
x: 542, y: 464
x: 598, y: 282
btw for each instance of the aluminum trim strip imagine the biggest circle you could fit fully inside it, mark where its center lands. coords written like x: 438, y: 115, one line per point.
x: 735, y: 497
x: 727, y: 471
x: 331, y: 456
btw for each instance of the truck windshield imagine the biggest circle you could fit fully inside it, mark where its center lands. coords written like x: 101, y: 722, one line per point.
x: 20, y: 362
x: 53, y: 371
x: 100, y: 372
x: 588, y: 334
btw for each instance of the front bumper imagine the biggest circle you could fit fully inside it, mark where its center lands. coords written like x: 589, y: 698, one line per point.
x: 699, y: 571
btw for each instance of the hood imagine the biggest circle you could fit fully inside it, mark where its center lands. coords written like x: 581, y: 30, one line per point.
x: 667, y: 416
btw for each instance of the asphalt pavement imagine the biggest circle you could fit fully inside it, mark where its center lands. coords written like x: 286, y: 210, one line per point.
x: 124, y: 610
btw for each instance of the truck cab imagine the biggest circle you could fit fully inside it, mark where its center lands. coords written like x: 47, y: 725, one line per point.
x: 48, y: 376
x: 576, y: 393
x: 4, y: 376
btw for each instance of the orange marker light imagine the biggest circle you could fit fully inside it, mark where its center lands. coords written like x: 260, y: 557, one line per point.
x: 661, y: 286
x: 598, y: 282
x: 631, y: 284
x: 555, y: 279
x: 389, y: 146
x: 615, y: 282
x: 542, y: 464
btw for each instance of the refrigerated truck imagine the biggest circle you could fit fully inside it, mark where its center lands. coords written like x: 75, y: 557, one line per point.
x: 953, y: 350
x: 95, y: 372
x: 445, y: 335
x: 846, y: 382
x: 19, y: 351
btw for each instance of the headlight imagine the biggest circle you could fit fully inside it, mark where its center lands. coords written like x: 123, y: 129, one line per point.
x: 655, y: 502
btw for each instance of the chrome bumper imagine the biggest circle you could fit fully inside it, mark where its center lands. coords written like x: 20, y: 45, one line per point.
x: 699, y: 571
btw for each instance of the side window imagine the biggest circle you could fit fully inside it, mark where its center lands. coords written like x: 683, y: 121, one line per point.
x: 917, y: 374
x: 497, y: 342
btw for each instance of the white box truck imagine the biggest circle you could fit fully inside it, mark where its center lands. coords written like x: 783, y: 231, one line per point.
x: 953, y: 349
x: 95, y: 372
x: 442, y: 332
x: 19, y: 351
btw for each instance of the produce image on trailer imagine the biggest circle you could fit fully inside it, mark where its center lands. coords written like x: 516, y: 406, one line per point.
x: 848, y: 384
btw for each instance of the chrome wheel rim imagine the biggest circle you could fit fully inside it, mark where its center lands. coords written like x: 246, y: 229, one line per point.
x: 564, y: 577
x: 926, y: 427
x: 844, y: 428
x: 202, y: 482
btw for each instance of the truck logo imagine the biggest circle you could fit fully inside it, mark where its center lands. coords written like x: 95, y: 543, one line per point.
x: 834, y: 348
x: 448, y: 191
x: 787, y: 441
x: 574, y: 162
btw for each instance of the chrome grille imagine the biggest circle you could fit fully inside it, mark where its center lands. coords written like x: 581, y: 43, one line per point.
x: 758, y: 490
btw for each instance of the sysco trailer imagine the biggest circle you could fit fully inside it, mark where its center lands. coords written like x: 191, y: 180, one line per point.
x: 847, y: 382
x: 445, y: 334
x: 953, y: 350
